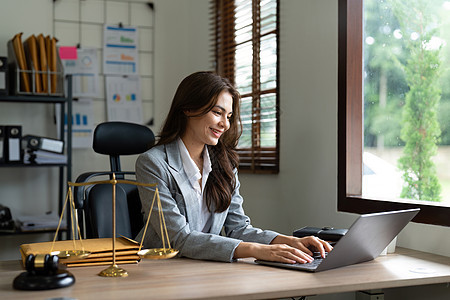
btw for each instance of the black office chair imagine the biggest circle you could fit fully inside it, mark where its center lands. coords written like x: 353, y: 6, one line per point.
x: 94, y: 202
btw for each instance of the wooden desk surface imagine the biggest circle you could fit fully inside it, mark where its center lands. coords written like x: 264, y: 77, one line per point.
x: 181, y: 278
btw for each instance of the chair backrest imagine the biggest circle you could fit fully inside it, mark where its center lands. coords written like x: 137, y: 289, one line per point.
x: 113, y: 139
x: 121, y: 138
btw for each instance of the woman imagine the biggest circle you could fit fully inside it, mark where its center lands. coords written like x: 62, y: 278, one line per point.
x: 195, y: 166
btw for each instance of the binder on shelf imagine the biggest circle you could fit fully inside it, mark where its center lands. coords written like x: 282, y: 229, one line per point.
x: 43, y: 157
x: 2, y: 144
x: 3, y: 75
x: 13, y: 147
x: 34, y: 142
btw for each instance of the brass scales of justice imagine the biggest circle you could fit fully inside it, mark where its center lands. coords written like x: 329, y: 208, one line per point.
x: 114, y: 270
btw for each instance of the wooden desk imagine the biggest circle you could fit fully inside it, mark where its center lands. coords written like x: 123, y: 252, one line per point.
x: 193, y: 279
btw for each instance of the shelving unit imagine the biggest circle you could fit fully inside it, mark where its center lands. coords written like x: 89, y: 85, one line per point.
x: 65, y: 101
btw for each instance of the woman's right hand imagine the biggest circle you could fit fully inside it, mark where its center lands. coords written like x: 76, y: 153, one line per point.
x: 274, y: 252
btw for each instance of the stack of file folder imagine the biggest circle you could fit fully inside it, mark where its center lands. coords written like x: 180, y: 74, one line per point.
x: 43, y: 157
x: 101, y: 251
x: 36, y: 64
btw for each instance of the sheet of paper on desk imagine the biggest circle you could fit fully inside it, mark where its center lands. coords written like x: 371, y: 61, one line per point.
x: 42, y: 222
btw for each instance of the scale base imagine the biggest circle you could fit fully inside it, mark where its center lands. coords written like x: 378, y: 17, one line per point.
x: 113, y: 271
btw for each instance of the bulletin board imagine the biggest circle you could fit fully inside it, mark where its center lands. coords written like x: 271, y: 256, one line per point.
x: 82, y: 23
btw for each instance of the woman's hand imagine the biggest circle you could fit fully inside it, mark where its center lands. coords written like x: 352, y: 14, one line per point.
x: 286, y: 249
x: 304, y: 244
x: 279, y: 252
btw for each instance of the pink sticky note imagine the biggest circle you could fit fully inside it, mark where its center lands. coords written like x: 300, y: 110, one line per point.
x: 68, y: 52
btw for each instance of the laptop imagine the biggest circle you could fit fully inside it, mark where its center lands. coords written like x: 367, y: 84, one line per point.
x: 368, y: 236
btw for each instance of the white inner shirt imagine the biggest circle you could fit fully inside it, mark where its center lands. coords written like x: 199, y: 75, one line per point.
x: 194, y: 176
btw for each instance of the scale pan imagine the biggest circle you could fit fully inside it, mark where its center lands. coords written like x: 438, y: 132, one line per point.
x: 71, y: 254
x: 158, y: 253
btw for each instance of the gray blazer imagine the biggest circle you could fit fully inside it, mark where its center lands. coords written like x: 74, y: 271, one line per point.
x: 163, y: 165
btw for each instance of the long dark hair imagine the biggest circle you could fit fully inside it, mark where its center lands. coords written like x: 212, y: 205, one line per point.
x: 199, y: 92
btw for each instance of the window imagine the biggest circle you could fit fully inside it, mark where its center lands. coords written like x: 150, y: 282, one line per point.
x: 358, y: 62
x: 246, y: 52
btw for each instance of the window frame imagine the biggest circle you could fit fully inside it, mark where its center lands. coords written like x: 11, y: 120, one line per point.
x: 350, y: 117
x: 255, y: 159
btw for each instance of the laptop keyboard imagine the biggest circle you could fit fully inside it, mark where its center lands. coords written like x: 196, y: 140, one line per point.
x: 317, y: 260
x: 306, y: 266
x: 312, y: 265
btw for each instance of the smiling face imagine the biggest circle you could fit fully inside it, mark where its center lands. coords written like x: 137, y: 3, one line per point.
x: 209, y: 127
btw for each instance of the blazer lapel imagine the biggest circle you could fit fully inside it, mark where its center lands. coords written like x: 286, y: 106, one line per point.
x: 177, y: 171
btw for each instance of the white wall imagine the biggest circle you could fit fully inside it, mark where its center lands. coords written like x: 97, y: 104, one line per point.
x: 304, y: 193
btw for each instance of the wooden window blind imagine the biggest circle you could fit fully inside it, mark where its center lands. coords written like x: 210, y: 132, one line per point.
x: 246, y: 51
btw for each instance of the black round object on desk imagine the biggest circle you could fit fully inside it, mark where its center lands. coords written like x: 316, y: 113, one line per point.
x: 43, y: 273
x: 29, y: 281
